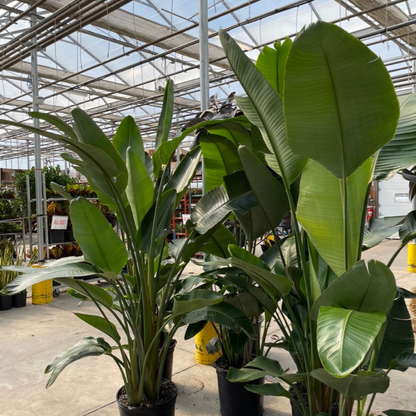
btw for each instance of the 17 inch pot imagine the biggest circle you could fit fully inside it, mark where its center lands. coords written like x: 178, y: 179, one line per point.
x: 165, y: 407
x: 235, y: 400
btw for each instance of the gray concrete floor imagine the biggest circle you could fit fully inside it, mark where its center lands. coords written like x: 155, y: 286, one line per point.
x: 32, y: 336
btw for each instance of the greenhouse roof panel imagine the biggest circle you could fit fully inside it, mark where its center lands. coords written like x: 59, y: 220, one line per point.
x: 113, y: 57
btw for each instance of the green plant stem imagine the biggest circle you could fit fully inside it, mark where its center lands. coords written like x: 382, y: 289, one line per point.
x: 373, y: 396
x: 345, y: 221
x: 396, y: 253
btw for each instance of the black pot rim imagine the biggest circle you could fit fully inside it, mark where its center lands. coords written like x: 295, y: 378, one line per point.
x: 167, y: 403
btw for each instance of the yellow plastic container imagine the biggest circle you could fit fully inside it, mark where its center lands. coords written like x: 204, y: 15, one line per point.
x: 411, y: 258
x: 42, y: 292
x: 201, y: 340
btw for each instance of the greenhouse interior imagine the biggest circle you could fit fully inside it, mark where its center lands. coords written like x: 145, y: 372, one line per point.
x: 208, y: 207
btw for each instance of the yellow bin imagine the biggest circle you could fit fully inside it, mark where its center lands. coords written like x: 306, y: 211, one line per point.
x: 411, y: 258
x: 201, y: 340
x: 42, y: 292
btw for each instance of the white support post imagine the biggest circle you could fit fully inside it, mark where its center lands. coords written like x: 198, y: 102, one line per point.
x: 38, y: 167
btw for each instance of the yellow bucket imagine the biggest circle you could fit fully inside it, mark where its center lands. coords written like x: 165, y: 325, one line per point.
x: 201, y: 340
x: 42, y: 292
x: 411, y: 258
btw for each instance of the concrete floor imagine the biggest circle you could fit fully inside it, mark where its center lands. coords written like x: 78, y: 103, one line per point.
x: 31, y: 337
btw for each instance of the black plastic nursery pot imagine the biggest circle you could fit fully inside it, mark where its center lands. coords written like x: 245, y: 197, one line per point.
x: 296, y: 411
x: 168, y: 367
x: 56, y: 236
x: 235, y: 399
x: 19, y: 299
x: 165, y: 406
x: 6, y: 303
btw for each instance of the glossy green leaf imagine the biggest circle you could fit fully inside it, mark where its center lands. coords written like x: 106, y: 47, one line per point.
x: 165, y: 119
x: 345, y: 337
x: 89, y: 290
x: 269, y: 389
x: 394, y: 412
x: 140, y: 188
x: 222, y: 314
x: 99, y: 242
x: 156, y: 223
x: 197, y: 299
x: 184, y: 173
x: 320, y: 212
x: 88, y: 132
x: 258, y: 367
x: 407, y: 231
x: 264, y: 108
x: 216, y: 205
x: 220, y: 159
x: 128, y: 135
x: 61, y: 191
x: 273, y: 284
x: 354, y: 385
x: 400, y: 152
x: 55, y: 121
x: 218, y: 243
x: 380, y: 229
x: 87, y: 347
x: 365, y: 288
x: 37, y: 275
x: 237, y: 130
x: 269, y: 192
x: 340, y: 104
x: 269, y: 303
x: 272, y: 63
x: 101, y: 324
x: 398, y: 337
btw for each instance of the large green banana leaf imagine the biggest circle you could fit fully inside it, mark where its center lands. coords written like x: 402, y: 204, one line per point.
x: 398, y: 337
x: 32, y: 276
x: 156, y: 223
x: 400, y: 152
x: 87, y: 347
x: 364, y: 287
x: 128, y: 135
x: 264, y: 108
x: 140, y: 189
x: 339, y: 102
x: 269, y: 192
x: 345, y: 337
x: 216, y: 205
x: 99, y: 242
x: 272, y: 63
x: 165, y: 119
x: 220, y: 159
x: 236, y: 130
x: 88, y: 132
x: 197, y: 299
x: 99, y: 167
x: 380, y: 229
x: 274, y: 285
x: 103, y: 325
x: 184, y: 173
x: 355, y: 385
x: 321, y: 212
x: 222, y: 314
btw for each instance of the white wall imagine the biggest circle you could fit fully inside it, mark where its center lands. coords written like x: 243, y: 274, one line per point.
x: 393, y: 197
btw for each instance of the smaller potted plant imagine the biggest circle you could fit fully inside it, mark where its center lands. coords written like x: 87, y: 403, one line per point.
x: 236, y: 321
x: 7, y: 258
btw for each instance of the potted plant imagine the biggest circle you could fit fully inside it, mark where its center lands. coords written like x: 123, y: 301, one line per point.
x: 236, y: 338
x: 141, y: 270
x: 8, y: 256
x: 325, y: 107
